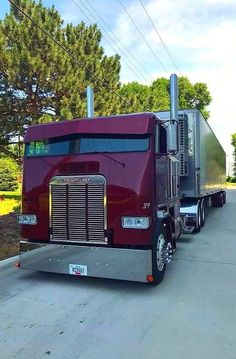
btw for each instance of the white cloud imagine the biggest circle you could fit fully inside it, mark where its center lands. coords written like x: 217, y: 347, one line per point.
x: 201, y: 37
x: 199, y: 34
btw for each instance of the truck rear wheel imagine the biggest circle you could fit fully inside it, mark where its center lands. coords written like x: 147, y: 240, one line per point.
x: 160, y: 254
x: 197, y: 227
x: 203, y: 208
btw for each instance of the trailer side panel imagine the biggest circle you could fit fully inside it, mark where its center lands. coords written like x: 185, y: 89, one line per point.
x: 206, y: 159
x: 212, y: 159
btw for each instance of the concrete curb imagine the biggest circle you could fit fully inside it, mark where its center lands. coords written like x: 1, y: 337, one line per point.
x: 8, y: 262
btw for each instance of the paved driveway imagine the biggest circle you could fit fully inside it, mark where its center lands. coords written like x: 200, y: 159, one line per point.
x: 192, y: 314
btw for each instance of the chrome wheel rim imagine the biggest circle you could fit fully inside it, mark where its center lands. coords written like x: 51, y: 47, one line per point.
x: 160, y: 245
x: 199, y: 218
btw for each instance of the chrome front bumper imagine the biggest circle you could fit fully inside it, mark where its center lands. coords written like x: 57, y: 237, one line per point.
x: 114, y: 263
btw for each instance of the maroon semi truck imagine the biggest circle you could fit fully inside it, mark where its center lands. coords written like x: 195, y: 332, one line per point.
x: 101, y: 196
x: 95, y: 198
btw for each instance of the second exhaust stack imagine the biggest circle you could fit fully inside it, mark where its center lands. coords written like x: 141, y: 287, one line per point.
x: 174, y: 97
x: 172, y: 129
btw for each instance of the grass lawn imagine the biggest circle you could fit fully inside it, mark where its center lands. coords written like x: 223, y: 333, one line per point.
x: 230, y: 185
x: 10, y: 201
x: 11, y: 194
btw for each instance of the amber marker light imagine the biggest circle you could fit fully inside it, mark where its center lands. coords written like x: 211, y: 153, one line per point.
x: 150, y: 278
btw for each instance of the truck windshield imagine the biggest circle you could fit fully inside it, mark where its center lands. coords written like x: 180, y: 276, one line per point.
x: 74, y: 144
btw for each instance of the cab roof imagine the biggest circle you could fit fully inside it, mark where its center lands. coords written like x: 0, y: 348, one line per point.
x: 137, y: 124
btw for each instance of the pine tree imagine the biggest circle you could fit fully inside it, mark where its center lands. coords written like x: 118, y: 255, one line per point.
x: 39, y: 81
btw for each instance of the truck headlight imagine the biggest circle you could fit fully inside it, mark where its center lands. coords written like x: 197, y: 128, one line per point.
x: 135, y: 222
x: 27, y: 219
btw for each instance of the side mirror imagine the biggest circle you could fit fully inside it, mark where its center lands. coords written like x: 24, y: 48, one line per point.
x: 172, y: 137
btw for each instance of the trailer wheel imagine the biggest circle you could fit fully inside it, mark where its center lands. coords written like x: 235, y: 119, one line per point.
x: 224, y: 197
x: 203, y: 213
x: 198, y: 219
x: 221, y: 200
x: 158, y: 253
x: 218, y: 200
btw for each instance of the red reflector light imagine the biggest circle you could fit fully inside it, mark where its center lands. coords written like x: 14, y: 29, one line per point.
x: 150, y: 278
x: 17, y: 265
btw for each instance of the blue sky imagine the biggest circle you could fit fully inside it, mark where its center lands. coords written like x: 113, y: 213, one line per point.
x: 200, y: 35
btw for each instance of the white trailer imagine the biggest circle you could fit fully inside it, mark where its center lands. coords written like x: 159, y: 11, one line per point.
x: 202, y: 168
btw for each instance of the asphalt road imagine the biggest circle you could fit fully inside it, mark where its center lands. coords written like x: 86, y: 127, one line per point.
x: 190, y: 315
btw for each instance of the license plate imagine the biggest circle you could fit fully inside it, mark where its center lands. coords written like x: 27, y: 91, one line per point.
x: 77, y: 269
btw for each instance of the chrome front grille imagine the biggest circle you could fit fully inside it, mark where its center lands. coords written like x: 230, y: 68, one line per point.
x: 78, y: 208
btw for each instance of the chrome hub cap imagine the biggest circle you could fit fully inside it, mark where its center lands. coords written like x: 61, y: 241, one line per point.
x: 164, y: 252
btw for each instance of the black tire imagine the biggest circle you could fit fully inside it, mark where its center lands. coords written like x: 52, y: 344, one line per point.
x: 198, y: 220
x: 221, y: 200
x: 158, y: 270
x: 203, y: 212
x: 218, y: 200
x: 224, y: 197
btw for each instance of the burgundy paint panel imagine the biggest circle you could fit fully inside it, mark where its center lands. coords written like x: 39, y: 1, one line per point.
x: 79, y: 167
x: 161, y: 166
x: 122, y: 124
x: 129, y: 187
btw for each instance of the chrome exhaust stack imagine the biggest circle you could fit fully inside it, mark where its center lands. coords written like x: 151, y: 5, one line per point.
x: 174, y: 98
x: 90, y: 101
x: 172, y: 129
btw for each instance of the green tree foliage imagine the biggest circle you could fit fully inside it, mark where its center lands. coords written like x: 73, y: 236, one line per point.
x: 233, y: 143
x: 156, y: 97
x: 202, y: 98
x: 136, y: 96
x: 159, y: 95
x: 39, y: 82
x: 9, y: 174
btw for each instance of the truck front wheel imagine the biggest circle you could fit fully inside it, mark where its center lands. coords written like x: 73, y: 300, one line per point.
x: 160, y: 256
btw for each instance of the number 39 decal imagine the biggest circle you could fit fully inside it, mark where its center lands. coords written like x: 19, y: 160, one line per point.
x: 146, y: 205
